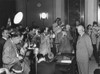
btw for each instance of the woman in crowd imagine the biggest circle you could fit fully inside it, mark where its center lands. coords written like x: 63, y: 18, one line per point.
x: 94, y: 40
x: 45, y: 42
x: 89, y: 30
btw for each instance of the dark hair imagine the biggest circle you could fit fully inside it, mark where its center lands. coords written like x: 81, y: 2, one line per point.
x: 88, y: 26
x: 57, y: 19
x: 95, y: 23
x: 15, y: 33
x: 40, y: 56
x: 3, y: 29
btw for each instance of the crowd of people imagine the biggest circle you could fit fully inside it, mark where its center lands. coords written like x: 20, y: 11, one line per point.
x: 20, y: 47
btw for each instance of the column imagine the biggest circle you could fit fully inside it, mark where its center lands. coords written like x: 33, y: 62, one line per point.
x: 21, y: 6
x: 90, y: 11
x: 59, y: 9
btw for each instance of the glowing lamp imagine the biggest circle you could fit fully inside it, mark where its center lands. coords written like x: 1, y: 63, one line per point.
x: 18, y: 18
x: 43, y: 15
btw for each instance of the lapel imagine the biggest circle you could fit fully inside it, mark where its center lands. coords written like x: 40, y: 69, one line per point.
x: 14, y: 48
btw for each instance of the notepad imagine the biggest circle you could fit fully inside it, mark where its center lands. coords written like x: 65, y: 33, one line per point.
x: 66, y: 61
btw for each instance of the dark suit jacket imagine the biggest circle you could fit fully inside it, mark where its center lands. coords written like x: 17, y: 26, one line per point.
x: 2, y: 42
x: 45, y: 68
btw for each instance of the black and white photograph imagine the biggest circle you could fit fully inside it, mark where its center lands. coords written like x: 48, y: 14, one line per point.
x: 49, y: 36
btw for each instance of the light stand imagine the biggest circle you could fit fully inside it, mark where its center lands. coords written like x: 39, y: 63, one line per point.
x: 36, y: 59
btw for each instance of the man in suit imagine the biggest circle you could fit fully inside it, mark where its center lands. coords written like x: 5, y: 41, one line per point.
x: 11, y: 55
x: 84, y: 50
x: 3, y: 39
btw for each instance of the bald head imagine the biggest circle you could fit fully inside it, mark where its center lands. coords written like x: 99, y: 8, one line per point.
x: 80, y: 29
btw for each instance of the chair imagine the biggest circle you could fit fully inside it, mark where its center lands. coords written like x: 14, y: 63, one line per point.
x: 16, y: 68
x: 4, y: 71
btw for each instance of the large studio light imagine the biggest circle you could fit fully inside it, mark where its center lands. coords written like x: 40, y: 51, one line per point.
x: 43, y: 15
x: 18, y: 18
